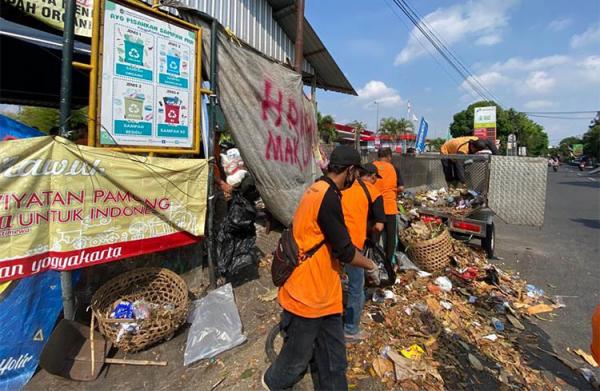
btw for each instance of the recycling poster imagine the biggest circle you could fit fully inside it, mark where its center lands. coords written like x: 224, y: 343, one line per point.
x: 148, y: 81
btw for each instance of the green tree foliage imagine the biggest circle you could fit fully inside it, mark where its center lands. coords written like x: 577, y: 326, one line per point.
x: 529, y: 133
x: 326, y: 126
x: 564, y: 147
x: 436, y: 143
x: 591, y: 138
x: 360, y: 125
x: 395, y: 127
x: 44, y: 118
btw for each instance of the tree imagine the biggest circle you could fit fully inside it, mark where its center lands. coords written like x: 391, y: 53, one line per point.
x: 436, y: 143
x: 529, y: 133
x: 389, y: 126
x: 565, y: 146
x: 44, y: 118
x: 359, y: 125
x: 591, y: 139
x: 404, y: 126
x: 326, y: 126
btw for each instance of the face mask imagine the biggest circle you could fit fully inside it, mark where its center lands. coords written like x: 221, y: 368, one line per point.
x: 349, y: 178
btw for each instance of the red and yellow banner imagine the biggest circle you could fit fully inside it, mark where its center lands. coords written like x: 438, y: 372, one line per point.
x: 64, y: 206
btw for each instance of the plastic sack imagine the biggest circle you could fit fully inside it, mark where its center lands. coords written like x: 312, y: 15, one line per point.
x: 216, y: 326
x: 236, y: 240
x: 232, y: 161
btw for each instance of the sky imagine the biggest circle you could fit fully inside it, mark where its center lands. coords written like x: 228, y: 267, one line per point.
x: 533, y: 55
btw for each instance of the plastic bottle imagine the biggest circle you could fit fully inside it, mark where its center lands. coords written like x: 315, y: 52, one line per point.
x: 596, y: 334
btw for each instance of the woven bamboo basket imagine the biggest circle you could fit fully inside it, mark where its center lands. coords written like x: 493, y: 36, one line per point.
x: 431, y: 255
x: 166, y: 291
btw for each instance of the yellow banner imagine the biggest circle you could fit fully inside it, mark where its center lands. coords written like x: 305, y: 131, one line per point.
x: 52, y: 13
x: 64, y: 206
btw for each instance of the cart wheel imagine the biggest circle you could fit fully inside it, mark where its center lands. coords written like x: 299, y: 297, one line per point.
x: 274, y: 342
x: 489, y: 242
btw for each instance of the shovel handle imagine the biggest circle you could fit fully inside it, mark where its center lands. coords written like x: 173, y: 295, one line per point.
x: 134, y: 362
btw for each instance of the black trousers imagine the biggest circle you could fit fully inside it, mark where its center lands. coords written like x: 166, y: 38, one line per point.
x: 316, y: 343
x: 454, y: 171
x: 390, y: 240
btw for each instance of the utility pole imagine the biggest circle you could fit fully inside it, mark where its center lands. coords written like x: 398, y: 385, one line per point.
x: 65, y: 113
x: 299, y: 45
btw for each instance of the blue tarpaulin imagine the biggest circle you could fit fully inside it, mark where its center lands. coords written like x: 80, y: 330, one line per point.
x: 11, y: 129
x: 28, y: 307
x: 28, y: 311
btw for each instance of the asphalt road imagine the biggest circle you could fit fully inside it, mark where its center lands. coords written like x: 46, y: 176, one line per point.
x: 562, y: 257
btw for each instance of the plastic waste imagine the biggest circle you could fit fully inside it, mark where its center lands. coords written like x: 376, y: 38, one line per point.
x: 498, y: 324
x: 472, y: 299
x: 446, y: 305
x: 381, y: 295
x: 216, y: 325
x: 558, y: 301
x: 491, y: 337
x: 123, y: 310
x: 534, y: 292
x: 141, y: 309
x: 413, y: 352
x: 405, y: 263
x: 444, y: 283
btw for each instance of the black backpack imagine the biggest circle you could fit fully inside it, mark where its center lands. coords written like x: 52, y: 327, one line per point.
x: 286, y: 257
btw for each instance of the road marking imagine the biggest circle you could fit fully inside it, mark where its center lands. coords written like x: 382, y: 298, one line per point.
x: 591, y: 179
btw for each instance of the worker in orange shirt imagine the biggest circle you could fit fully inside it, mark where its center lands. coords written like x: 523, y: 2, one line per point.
x: 362, y: 205
x: 389, y: 185
x: 454, y: 169
x: 312, y: 295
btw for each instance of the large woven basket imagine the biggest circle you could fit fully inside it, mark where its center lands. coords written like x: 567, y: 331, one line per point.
x: 431, y: 255
x: 166, y: 291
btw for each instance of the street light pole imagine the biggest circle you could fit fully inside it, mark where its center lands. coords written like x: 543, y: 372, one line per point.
x: 377, y: 122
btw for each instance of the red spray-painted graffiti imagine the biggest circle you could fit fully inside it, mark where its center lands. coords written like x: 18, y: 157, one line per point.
x: 290, y: 143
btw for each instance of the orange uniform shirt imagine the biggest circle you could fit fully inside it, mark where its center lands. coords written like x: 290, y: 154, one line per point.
x: 388, y: 186
x: 355, y: 206
x: 314, y: 288
x: 457, y: 145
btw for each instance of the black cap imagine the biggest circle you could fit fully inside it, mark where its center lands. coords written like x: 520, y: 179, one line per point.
x: 344, y: 156
x: 371, y: 169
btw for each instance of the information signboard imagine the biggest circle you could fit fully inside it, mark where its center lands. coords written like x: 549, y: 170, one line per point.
x: 485, y: 122
x: 150, y: 84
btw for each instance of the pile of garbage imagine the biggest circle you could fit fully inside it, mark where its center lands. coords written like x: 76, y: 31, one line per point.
x: 457, y: 202
x: 461, y: 328
x: 423, y: 229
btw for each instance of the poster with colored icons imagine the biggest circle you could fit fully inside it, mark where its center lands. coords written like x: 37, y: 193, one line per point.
x: 148, y: 81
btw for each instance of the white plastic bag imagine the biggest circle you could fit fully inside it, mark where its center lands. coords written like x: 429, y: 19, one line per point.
x: 216, y: 326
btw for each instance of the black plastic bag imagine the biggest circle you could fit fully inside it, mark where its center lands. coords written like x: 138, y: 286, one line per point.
x: 374, y: 252
x: 236, y: 239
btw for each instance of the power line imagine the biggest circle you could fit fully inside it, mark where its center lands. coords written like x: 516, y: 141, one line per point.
x: 556, y: 117
x: 443, y: 50
x: 442, y: 67
x: 562, y: 112
x: 444, y: 45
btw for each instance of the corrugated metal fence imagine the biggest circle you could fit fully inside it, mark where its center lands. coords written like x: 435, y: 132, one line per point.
x: 251, y: 21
